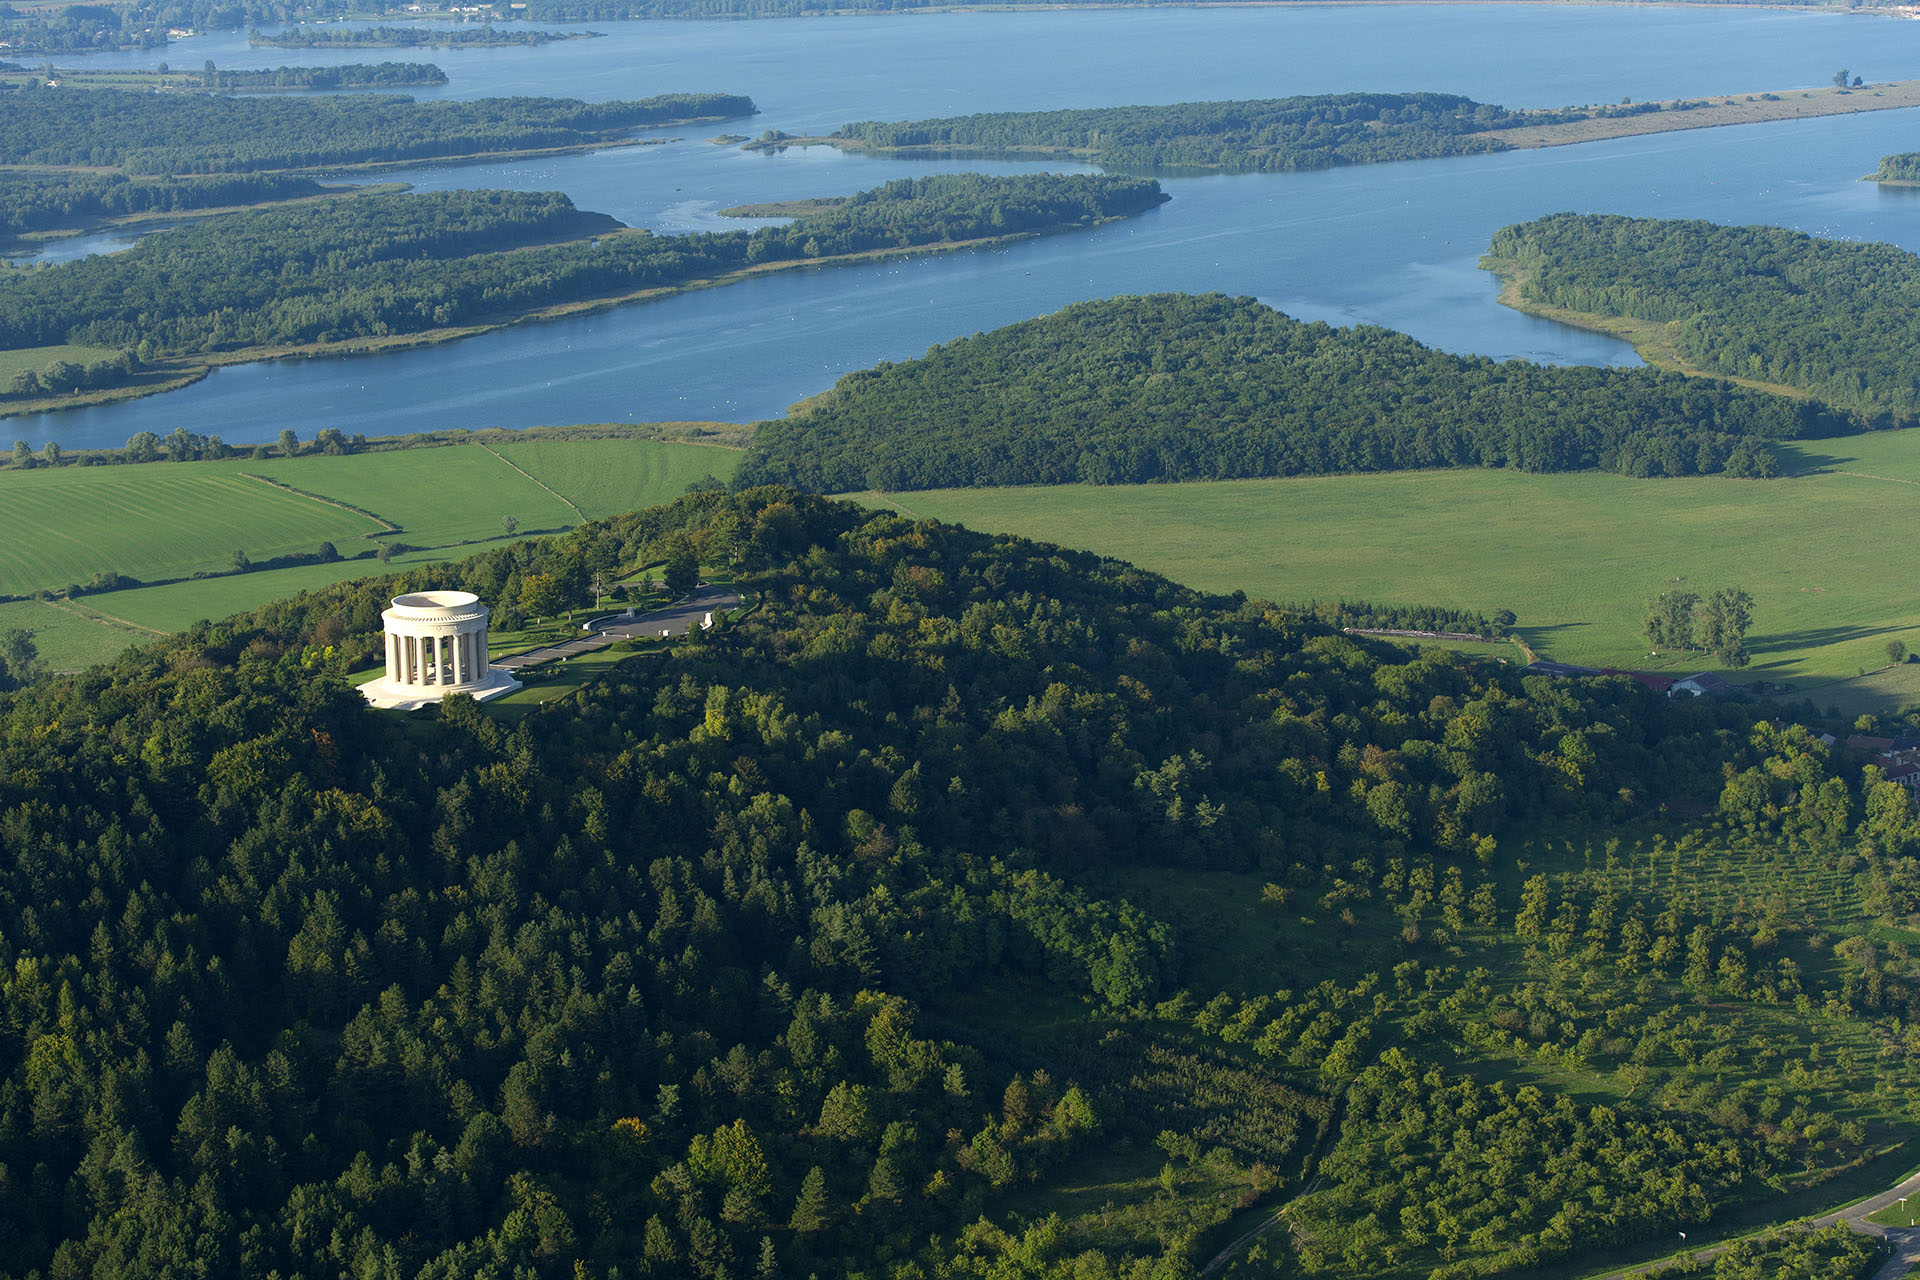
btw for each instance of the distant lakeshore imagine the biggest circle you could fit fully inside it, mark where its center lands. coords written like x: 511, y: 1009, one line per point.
x: 1666, y: 116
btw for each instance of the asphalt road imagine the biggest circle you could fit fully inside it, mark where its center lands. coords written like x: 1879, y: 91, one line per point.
x: 1905, y: 1240
x: 676, y: 619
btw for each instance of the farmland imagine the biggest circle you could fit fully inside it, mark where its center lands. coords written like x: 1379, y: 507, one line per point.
x: 164, y: 523
x: 1575, y: 556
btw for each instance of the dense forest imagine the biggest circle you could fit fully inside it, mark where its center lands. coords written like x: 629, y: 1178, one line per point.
x: 351, y: 75
x: 1182, y: 387
x: 406, y: 37
x: 1272, y: 135
x: 780, y: 954
x: 1837, y: 319
x: 46, y: 201
x: 393, y: 264
x: 1904, y: 167
x: 148, y: 133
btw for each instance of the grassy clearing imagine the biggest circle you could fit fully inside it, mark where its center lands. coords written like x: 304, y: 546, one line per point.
x: 157, y: 521
x: 1897, y: 1215
x: 21, y: 359
x: 1576, y: 556
x: 436, y: 497
x: 66, y: 640
x: 608, y: 477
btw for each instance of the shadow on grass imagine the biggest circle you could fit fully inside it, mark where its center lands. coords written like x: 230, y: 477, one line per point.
x: 1799, y: 463
x: 1815, y: 637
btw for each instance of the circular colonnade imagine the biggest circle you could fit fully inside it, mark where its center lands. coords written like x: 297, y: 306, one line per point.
x: 436, y: 645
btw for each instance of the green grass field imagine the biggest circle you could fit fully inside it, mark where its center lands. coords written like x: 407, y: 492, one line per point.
x: 66, y: 639
x: 607, y: 477
x: 166, y: 520
x: 1576, y: 556
x: 438, y: 497
x: 179, y: 605
x: 21, y: 359
x: 156, y: 521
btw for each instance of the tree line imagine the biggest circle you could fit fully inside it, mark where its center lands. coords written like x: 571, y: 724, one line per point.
x: 1272, y: 135
x: 48, y: 201
x: 149, y: 133
x: 352, y: 75
x: 407, y: 263
x: 1835, y: 319
x: 1179, y: 387
x: 486, y: 37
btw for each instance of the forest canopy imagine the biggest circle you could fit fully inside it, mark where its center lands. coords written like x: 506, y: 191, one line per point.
x: 1836, y: 319
x: 779, y: 954
x: 376, y: 265
x: 1271, y: 135
x: 44, y: 201
x: 663, y: 980
x: 1182, y: 387
x: 157, y: 133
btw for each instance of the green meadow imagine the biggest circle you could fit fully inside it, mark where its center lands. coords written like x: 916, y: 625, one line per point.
x: 436, y: 497
x: 21, y: 359
x: 1577, y: 556
x: 162, y: 523
x: 608, y: 477
x: 154, y: 521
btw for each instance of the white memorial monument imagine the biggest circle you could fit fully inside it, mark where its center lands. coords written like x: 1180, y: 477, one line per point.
x: 436, y: 645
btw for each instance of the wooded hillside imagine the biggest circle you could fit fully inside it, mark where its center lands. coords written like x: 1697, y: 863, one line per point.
x: 1837, y: 319
x: 1180, y: 387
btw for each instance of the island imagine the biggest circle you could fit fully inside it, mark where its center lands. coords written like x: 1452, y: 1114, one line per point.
x: 1324, y: 130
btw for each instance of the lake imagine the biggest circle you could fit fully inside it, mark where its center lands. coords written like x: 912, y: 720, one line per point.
x: 1393, y: 245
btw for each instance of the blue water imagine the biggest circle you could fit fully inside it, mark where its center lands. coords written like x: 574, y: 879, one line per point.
x: 1393, y: 245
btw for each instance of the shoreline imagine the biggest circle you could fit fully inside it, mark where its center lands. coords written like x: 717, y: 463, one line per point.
x: 185, y: 370
x: 1835, y: 7
x: 1673, y: 115
x: 133, y: 221
x: 1642, y: 335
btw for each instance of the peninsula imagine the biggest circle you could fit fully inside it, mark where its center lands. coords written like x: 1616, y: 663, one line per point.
x: 209, y: 79
x: 1765, y: 306
x: 382, y: 271
x: 1326, y: 130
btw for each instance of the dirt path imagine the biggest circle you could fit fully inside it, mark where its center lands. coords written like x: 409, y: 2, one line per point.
x: 533, y: 479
